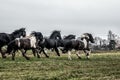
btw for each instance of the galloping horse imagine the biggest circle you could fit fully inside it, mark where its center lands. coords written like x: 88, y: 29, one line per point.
x: 82, y: 44
x: 52, y: 42
x: 24, y: 44
x: 6, y: 38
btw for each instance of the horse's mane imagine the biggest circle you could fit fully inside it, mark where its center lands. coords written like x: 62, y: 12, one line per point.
x: 90, y: 36
x: 18, y: 30
x: 54, y: 32
x: 71, y: 36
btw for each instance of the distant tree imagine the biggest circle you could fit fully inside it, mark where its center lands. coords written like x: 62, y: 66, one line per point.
x: 111, y: 36
x: 112, y: 44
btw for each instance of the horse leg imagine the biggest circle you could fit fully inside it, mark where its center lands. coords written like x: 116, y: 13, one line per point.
x: 33, y: 51
x: 57, y: 51
x: 37, y: 51
x: 13, y: 54
x: 78, y: 54
x: 69, y: 55
x: 23, y: 53
x: 87, y: 52
x: 45, y: 53
x: 2, y: 53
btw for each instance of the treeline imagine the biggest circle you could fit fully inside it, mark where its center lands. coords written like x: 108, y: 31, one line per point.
x: 111, y: 43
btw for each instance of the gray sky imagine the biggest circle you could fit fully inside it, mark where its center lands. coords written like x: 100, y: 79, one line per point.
x: 69, y: 16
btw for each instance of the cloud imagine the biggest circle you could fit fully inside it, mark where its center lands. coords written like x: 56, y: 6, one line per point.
x: 69, y: 16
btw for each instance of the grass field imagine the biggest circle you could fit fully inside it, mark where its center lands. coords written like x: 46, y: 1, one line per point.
x: 101, y: 66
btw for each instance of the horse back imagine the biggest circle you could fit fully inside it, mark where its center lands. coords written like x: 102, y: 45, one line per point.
x: 24, y: 43
x: 4, y: 38
x: 76, y: 44
x: 50, y: 43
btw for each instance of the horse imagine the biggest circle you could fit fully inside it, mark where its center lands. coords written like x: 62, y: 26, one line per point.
x: 52, y: 42
x: 82, y: 44
x: 24, y: 44
x: 5, y: 38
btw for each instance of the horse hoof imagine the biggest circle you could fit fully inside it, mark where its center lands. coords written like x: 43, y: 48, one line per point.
x: 27, y: 58
x: 47, y: 56
x: 79, y: 58
x: 3, y: 57
x: 88, y: 58
x: 38, y: 57
x: 13, y: 59
x: 58, y: 55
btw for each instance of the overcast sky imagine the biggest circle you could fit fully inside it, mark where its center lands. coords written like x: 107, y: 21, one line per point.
x: 69, y: 16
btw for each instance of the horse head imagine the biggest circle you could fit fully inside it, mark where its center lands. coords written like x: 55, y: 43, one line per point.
x: 88, y: 36
x: 19, y: 33
x: 23, y: 32
x: 55, y: 35
x: 38, y: 35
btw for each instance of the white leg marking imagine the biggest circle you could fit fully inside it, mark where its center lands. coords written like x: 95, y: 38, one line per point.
x: 46, y: 51
x: 69, y: 55
x: 88, y: 53
x: 78, y: 54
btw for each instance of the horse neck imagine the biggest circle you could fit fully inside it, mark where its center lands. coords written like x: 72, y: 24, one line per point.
x: 32, y: 37
x: 53, y: 37
x: 70, y: 38
x: 85, y: 43
x: 11, y: 36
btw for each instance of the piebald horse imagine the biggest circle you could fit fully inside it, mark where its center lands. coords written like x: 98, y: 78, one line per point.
x: 24, y: 44
x: 82, y: 44
x: 5, y: 38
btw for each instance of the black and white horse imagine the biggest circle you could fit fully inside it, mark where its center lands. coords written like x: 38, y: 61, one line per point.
x: 82, y: 44
x: 24, y: 44
x: 52, y: 42
x: 6, y: 38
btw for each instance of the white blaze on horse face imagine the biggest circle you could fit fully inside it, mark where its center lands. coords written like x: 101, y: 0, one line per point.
x: 18, y: 39
x: 85, y: 43
x: 33, y: 41
x: 69, y: 55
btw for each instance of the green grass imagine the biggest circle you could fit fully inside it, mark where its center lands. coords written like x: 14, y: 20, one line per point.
x: 104, y: 66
